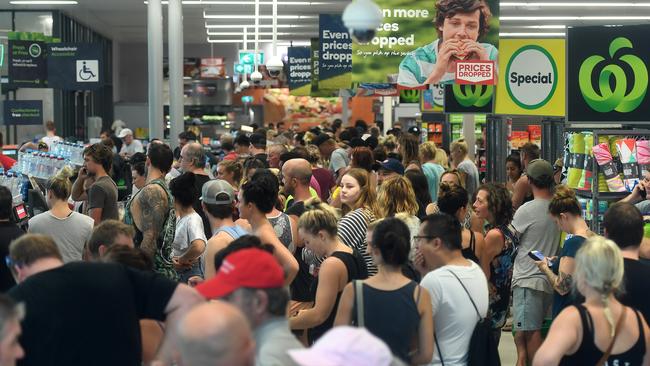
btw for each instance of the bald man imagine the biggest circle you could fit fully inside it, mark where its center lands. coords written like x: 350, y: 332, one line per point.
x: 215, y: 334
x: 193, y: 160
x: 296, y: 175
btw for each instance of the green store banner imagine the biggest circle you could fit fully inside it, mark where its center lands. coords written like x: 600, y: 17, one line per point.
x: 420, y: 40
x: 608, y: 74
x: 335, y: 46
x: 27, y: 66
x: 300, y: 78
x: 469, y: 98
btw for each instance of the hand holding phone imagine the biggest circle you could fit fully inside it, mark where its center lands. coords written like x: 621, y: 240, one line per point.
x: 537, y: 256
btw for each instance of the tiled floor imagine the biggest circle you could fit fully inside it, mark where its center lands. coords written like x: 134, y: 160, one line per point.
x: 507, y: 349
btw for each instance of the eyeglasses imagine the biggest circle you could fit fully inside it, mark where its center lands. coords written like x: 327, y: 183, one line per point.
x: 10, y: 263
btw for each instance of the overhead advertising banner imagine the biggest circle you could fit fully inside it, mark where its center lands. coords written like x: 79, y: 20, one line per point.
x: 75, y: 66
x: 26, y: 64
x: 23, y: 112
x: 608, y: 74
x: 300, y: 80
x: 469, y: 98
x: 212, y: 68
x: 419, y: 41
x: 335, y: 66
x: 532, y: 80
x: 314, y: 59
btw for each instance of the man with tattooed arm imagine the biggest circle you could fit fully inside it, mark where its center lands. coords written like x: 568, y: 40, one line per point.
x: 151, y: 211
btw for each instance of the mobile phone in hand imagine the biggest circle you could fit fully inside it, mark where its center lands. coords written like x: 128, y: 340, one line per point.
x: 536, y: 255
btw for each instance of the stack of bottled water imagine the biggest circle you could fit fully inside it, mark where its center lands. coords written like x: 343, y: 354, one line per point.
x: 14, y: 182
x: 69, y: 151
x: 39, y: 164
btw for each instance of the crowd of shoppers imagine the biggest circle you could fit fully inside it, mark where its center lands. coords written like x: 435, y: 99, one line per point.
x: 335, y: 246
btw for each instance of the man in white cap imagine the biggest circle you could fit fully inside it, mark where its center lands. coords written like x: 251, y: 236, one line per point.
x: 131, y: 145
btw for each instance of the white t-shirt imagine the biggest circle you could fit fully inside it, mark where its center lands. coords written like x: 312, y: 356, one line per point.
x: 135, y: 147
x: 188, y: 229
x: 454, y: 316
x: 49, y: 140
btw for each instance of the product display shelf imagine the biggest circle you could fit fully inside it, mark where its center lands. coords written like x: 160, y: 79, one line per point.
x: 596, y: 195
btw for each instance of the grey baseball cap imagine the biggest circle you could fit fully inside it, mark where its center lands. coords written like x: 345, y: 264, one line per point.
x: 213, y: 188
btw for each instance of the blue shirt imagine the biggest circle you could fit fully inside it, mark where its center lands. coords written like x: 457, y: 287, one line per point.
x: 570, y: 248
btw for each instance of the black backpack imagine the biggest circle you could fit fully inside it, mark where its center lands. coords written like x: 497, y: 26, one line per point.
x: 483, y: 349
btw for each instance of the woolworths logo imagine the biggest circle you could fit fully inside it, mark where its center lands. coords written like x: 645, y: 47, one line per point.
x: 473, y: 95
x: 618, y: 99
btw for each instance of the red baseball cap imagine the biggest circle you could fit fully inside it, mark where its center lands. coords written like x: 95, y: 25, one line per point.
x: 251, y: 268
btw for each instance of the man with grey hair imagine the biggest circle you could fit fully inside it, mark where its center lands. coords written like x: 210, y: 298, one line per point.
x: 193, y: 161
x: 253, y: 280
x: 10, y: 316
x: 216, y: 334
x: 275, y: 151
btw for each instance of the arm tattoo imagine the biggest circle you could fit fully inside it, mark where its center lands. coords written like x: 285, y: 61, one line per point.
x: 564, y: 283
x: 153, y: 212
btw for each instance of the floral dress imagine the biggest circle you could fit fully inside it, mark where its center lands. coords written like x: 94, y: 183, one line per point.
x: 501, y: 275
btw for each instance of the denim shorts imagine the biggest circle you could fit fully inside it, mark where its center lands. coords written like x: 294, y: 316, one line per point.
x: 195, y: 270
x: 530, y: 307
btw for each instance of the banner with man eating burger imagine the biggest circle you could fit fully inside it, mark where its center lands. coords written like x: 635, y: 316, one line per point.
x: 423, y: 42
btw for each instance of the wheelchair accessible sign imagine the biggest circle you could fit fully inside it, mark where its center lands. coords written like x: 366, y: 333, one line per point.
x: 75, y: 66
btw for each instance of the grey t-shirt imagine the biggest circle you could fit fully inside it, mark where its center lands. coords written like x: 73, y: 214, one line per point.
x: 70, y: 233
x: 272, y: 341
x: 537, y: 231
x: 338, y: 160
x: 103, y: 194
x: 471, y: 181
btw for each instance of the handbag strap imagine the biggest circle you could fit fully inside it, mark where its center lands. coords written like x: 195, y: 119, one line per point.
x: 435, y: 338
x: 468, y: 295
x: 621, y: 319
x: 358, y: 297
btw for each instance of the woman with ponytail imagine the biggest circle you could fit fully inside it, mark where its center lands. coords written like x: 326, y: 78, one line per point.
x: 70, y: 230
x: 318, y: 228
x: 600, y: 331
x: 394, y: 308
x: 567, y: 213
x: 453, y: 200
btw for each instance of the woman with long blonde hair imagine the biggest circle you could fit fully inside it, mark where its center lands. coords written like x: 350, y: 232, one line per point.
x: 601, y: 330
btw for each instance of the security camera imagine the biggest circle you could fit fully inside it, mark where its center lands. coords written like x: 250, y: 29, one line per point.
x: 256, y: 76
x: 244, y: 85
x: 274, y: 66
x: 238, y: 90
x: 362, y: 18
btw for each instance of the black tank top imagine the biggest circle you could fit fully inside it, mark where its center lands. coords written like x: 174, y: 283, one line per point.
x: 357, y: 270
x: 470, y: 252
x: 392, y: 316
x: 589, y: 354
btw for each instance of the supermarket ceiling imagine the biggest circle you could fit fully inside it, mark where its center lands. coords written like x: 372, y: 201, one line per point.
x: 126, y: 20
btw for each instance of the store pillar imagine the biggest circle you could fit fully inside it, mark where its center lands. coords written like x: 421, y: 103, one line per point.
x: 469, y: 125
x: 175, y: 40
x: 388, y: 114
x: 155, y: 70
x: 497, y: 149
x: 552, y: 139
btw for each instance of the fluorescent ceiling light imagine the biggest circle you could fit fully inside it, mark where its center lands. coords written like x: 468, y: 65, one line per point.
x: 289, y: 44
x: 251, y: 26
x: 575, y: 4
x: 250, y: 17
x: 251, y: 36
x: 560, y: 26
x: 216, y: 40
x: 43, y: 2
x: 532, y: 34
x: 613, y: 17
